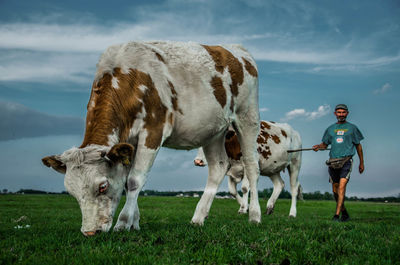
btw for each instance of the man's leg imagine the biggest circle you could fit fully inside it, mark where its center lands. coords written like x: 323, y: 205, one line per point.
x: 341, y: 194
x: 335, y: 188
x: 344, y: 179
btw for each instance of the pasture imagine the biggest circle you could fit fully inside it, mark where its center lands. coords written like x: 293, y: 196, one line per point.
x: 45, y: 229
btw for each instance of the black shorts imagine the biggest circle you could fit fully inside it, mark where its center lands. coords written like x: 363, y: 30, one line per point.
x: 336, y: 174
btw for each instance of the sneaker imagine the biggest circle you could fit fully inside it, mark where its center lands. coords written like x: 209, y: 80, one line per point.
x: 345, y: 217
x: 336, y: 218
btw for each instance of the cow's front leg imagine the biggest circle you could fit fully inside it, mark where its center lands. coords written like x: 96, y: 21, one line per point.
x: 217, y: 168
x: 130, y: 215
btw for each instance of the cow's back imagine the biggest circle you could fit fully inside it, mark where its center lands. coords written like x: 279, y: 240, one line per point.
x: 204, y: 87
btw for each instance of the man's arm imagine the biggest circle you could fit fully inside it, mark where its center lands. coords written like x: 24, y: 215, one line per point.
x: 321, y: 146
x: 361, y: 157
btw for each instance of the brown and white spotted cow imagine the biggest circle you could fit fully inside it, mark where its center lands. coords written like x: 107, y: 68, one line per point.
x: 273, y: 141
x: 151, y: 94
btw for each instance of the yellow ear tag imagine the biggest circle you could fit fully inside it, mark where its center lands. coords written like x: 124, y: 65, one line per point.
x: 126, y: 161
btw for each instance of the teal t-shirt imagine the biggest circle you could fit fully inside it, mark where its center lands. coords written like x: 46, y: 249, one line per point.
x: 343, y: 138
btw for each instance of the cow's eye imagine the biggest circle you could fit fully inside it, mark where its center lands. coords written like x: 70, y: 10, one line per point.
x: 103, y: 187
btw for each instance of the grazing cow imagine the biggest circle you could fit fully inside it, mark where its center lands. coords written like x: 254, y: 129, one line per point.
x: 273, y: 141
x: 151, y: 94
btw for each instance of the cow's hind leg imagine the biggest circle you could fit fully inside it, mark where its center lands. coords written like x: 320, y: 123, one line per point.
x: 278, y: 186
x: 295, y: 188
x: 217, y: 168
x: 247, y: 129
x: 243, y: 201
x: 232, y: 186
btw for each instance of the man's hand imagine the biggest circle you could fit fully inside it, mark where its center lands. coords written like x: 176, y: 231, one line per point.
x: 321, y: 146
x: 361, y: 168
x: 199, y: 163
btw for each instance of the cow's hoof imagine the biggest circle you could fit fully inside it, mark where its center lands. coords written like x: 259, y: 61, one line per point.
x: 292, y: 216
x: 255, y: 221
x: 270, y: 211
x: 197, y: 222
x: 136, y: 227
x: 255, y: 217
x: 122, y: 226
x: 242, y: 211
x: 120, y: 229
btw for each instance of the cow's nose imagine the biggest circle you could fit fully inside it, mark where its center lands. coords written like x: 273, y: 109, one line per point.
x: 89, y: 233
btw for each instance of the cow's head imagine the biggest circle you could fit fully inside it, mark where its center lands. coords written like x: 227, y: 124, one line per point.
x: 95, y: 176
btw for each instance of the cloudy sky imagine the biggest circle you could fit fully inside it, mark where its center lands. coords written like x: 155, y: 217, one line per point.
x: 310, y: 57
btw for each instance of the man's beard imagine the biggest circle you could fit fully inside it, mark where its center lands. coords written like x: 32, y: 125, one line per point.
x: 341, y: 119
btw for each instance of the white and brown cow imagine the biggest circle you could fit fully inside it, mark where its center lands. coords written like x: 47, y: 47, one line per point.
x: 273, y: 141
x: 151, y: 94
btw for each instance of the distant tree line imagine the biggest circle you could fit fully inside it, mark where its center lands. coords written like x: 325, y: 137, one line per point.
x: 264, y: 194
x: 31, y: 191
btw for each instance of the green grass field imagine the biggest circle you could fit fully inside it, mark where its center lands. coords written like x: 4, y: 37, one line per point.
x: 166, y: 237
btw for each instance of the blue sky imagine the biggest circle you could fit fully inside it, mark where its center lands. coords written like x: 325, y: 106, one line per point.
x: 311, y: 55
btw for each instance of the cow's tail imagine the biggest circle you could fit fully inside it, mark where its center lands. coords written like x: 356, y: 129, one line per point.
x: 300, y: 193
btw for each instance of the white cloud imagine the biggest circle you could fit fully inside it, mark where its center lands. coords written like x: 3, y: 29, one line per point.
x: 68, y: 38
x: 264, y: 109
x: 86, y: 38
x: 383, y: 89
x: 322, y: 111
x: 294, y: 114
x: 51, y: 53
x: 66, y: 52
x: 297, y: 56
x: 293, y: 40
x: 308, y: 115
x: 47, y: 67
x: 325, y: 60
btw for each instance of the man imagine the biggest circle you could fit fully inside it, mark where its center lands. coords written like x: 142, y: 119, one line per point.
x: 344, y: 139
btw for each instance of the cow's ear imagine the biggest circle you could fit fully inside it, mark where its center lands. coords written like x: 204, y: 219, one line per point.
x: 55, y: 163
x: 122, y: 152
